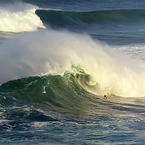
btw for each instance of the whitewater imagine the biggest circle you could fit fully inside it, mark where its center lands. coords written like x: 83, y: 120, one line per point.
x: 56, y: 65
x: 19, y: 17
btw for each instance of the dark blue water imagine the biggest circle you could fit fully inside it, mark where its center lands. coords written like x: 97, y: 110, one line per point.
x: 84, y: 5
x: 68, y: 108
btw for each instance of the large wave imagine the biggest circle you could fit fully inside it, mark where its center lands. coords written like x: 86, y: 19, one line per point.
x: 19, y: 17
x: 62, y: 19
x: 49, y: 51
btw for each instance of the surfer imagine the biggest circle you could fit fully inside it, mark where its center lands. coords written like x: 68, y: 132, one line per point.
x: 105, y: 96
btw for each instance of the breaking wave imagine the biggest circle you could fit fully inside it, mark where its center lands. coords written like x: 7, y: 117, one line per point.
x: 54, y: 53
x: 19, y: 17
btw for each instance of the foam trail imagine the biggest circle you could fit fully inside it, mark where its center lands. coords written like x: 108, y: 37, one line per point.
x: 55, y: 51
x: 19, y: 17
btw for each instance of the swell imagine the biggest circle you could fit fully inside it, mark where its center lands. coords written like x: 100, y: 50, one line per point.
x: 58, y: 19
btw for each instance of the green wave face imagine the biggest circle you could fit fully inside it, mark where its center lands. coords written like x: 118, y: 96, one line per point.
x: 59, y: 93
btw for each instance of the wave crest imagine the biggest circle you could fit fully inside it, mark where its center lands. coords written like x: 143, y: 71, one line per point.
x: 19, y: 17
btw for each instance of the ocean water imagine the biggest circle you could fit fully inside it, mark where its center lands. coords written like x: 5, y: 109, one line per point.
x: 59, y: 58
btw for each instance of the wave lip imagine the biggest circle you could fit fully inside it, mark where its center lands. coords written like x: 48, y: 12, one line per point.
x: 19, y: 17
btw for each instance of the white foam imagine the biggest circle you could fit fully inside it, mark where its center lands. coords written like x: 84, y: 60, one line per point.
x: 19, y: 17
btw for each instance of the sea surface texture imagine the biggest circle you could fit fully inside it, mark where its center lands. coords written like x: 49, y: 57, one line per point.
x: 59, y: 58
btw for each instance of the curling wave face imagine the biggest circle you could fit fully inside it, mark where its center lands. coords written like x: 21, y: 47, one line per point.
x: 45, y: 97
x: 52, y: 92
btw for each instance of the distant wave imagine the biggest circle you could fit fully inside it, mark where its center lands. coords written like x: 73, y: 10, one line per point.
x: 59, y: 19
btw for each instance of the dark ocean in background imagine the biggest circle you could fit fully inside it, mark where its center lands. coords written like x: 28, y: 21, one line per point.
x: 58, y: 58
